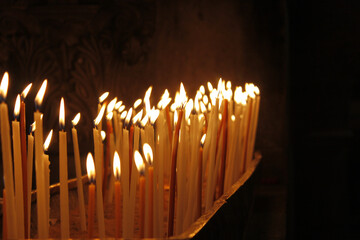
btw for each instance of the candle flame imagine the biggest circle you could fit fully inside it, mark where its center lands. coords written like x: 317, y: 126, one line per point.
x: 90, y: 167
x: 76, y: 119
x: 233, y: 118
x: 154, y: 114
x: 227, y: 94
x: 137, y: 117
x: 147, y: 99
x: 197, y: 105
x: 202, y: 107
x: 148, y: 153
x: 128, y: 117
x: 166, y: 94
x: 228, y: 85
x: 144, y: 121
x: 109, y: 116
x: 148, y: 93
x: 256, y: 90
x: 103, y: 97
x: 111, y: 105
x: 26, y: 91
x: 137, y: 103
x: 175, y: 118
x: 213, y: 96
x: 220, y: 116
x: 121, y: 108
x: 33, y: 126
x: 118, y: 105
x: 40, y: 95
x: 123, y: 115
x: 209, y: 107
x: 116, y: 166
x: 237, y: 94
x: 205, y: 99
x: 4, y: 85
x: 202, y: 89
x: 203, y: 140
x: 62, y: 114
x: 48, y: 140
x: 201, y: 116
x: 188, y: 108
x: 210, y: 86
x: 182, y: 95
x: 17, y: 107
x: 100, y: 115
x: 139, y: 162
x: 103, y: 135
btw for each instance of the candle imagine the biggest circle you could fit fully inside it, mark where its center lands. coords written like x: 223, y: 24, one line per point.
x: 98, y: 168
x: 199, y: 180
x: 149, y: 159
x: 117, y: 173
x: 101, y: 100
x: 63, y: 174
x: 7, y: 160
x: 91, y: 200
x: 30, y: 157
x: 46, y: 163
x: 4, y: 226
x: 23, y: 156
x: 78, y: 172
x: 141, y: 169
x: 39, y: 166
x: 19, y: 196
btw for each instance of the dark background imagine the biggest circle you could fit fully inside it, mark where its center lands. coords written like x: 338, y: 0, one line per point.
x: 303, y: 55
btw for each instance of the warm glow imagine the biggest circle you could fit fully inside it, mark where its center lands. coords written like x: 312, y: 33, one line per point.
x: 203, y: 140
x: 17, y: 107
x: 205, y: 99
x: 147, y: 99
x: 62, y: 114
x: 202, y: 107
x: 228, y: 85
x: 256, y: 90
x: 116, y: 166
x: 128, y: 117
x: 233, y: 118
x: 100, y: 115
x: 213, y: 96
x: 111, y: 106
x: 137, y: 103
x: 237, y: 94
x: 175, y: 118
x: 144, y: 120
x: 200, y: 117
x: 90, y: 167
x: 123, y: 115
x: 202, y: 89
x: 166, y: 94
x: 103, y: 135
x: 76, y: 119
x: 148, y: 153
x: 154, y: 115
x: 26, y: 91
x: 197, y: 105
x: 103, y: 97
x: 137, y: 117
x: 228, y: 94
x: 182, y: 95
x: 249, y: 89
x: 209, y: 106
x: 220, y: 116
x: 40, y: 95
x: 4, y: 85
x: 118, y: 105
x: 139, y: 162
x: 48, y: 140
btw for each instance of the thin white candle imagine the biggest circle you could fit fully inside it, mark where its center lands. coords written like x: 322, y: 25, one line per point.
x: 30, y: 159
x: 19, y: 196
x: 79, y: 184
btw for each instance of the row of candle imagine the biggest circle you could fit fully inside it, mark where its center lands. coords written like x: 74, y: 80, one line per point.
x: 195, y: 141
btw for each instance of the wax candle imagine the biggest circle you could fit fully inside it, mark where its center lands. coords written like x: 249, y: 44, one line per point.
x: 141, y: 169
x: 63, y: 174
x: 100, y: 105
x: 91, y: 200
x: 7, y: 160
x: 23, y: 155
x: 98, y: 168
x: 149, y: 159
x: 19, y: 196
x: 42, y: 223
x: 30, y: 158
x: 200, y: 178
x: 79, y: 184
x: 4, y: 225
x: 46, y: 163
x: 117, y: 173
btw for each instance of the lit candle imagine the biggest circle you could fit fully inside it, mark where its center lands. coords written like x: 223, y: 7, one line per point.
x: 91, y: 200
x: 23, y: 155
x: 149, y: 159
x: 7, y: 160
x: 19, y: 196
x: 117, y: 173
x: 200, y: 178
x: 125, y: 176
x: 78, y: 172
x: 30, y: 158
x: 63, y: 174
x: 141, y: 168
x: 101, y: 100
x: 42, y: 223
x: 98, y: 168
x: 46, y: 163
